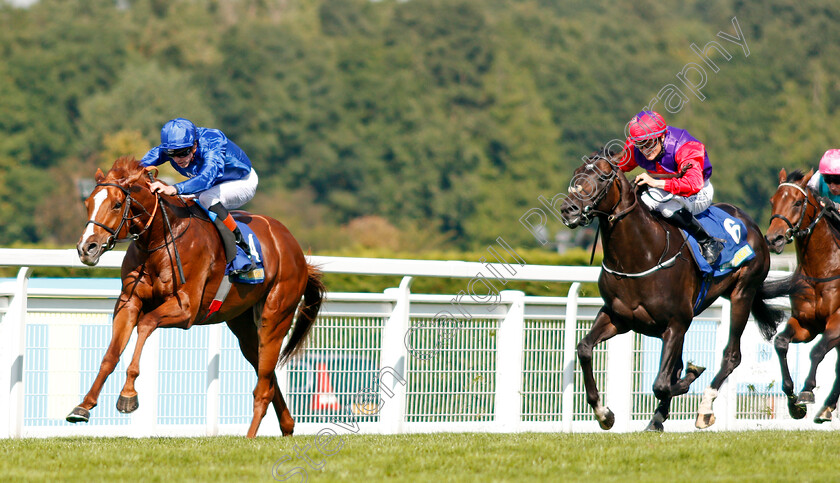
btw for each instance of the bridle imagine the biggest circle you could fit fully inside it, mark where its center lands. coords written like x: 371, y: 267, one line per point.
x: 126, y: 218
x: 588, y: 213
x: 795, y: 230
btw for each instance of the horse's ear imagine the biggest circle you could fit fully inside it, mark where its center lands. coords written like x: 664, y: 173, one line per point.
x: 99, y: 176
x: 808, y: 176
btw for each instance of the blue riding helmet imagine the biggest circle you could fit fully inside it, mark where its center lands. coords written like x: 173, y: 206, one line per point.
x: 177, y: 133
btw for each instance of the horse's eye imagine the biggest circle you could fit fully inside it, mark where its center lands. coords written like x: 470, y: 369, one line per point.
x: 798, y: 203
x: 117, y: 205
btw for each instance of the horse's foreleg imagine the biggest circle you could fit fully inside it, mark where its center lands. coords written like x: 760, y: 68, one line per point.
x: 125, y: 318
x: 827, y: 342
x: 824, y: 415
x: 669, y: 365
x: 128, y: 402
x: 602, y: 329
x: 781, y: 343
x: 175, y: 311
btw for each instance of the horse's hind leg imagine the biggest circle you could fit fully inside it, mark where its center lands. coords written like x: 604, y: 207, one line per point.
x: 245, y: 329
x: 602, y: 329
x: 781, y: 343
x: 275, y: 321
x: 741, y: 302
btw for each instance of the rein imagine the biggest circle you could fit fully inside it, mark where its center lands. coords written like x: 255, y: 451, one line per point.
x: 113, y: 240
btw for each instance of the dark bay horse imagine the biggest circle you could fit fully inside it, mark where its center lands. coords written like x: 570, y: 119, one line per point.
x: 649, y: 283
x: 165, y: 229
x: 815, y: 296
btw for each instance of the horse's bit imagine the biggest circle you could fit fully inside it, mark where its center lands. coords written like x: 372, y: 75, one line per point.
x: 794, y: 231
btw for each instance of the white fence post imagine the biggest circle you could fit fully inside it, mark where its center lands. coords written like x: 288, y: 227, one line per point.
x: 15, y: 331
x: 620, y: 379
x: 509, y: 347
x: 147, y: 386
x: 729, y: 389
x: 567, y: 403
x: 214, y: 360
x: 394, y: 353
x: 725, y: 405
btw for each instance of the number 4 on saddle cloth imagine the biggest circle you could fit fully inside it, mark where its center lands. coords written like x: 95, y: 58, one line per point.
x: 241, y: 262
x: 736, y: 250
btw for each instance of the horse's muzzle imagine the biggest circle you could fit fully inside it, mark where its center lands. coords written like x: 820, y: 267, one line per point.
x: 776, y: 243
x: 89, y: 252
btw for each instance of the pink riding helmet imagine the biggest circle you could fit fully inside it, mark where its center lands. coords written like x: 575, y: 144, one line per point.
x: 830, y: 162
x: 647, y: 125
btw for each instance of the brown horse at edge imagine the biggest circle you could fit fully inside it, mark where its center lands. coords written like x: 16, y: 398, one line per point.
x: 815, y: 290
x: 166, y: 228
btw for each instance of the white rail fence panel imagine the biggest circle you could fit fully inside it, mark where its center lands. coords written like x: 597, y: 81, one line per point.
x: 393, y: 362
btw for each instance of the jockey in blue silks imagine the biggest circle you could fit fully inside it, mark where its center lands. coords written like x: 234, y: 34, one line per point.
x: 220, y: 174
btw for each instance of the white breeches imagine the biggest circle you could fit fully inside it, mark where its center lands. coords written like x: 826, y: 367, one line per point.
x: 667, y: 204
x: 232, y: 194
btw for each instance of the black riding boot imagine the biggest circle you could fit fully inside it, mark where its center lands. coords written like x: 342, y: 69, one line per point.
x: 709, y: 245
x: 230, y: 238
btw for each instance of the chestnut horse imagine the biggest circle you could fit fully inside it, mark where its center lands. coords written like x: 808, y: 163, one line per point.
x: 154, y: 294
x: 815, y: 299
x: 649, y: 283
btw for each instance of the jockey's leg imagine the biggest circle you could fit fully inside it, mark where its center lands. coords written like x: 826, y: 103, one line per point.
x: 678, y: 210
x: 227, y: 234
x: 231, y: 235
x: 709, y: 245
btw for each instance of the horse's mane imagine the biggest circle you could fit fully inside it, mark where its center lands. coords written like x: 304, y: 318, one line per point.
x: 795, y: 175
x: 603, y: 152
x: 124, y: 167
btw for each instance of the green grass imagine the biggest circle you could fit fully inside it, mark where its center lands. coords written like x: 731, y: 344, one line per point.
x: 740, y: 456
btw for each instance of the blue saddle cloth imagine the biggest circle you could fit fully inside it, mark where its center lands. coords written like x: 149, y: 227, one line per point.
x: 732, y: 231
x: 242, y: 262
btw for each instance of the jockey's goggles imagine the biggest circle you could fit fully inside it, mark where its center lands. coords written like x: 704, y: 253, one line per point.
x: 179, y: 153
x: 831, y: 178
x: 646, y: 144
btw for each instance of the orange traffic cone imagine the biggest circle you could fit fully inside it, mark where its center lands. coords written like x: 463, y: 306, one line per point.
x: 324, y: 398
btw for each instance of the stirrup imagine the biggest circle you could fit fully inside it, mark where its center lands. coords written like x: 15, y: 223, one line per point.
x: 711, y: 249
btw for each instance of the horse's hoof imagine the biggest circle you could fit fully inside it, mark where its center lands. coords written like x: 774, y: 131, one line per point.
x: 655, y: 427
x: 823, y: 416
x: 796, y: 409
x: 607, y: 420
x: 805, y: 397
x: 127, y: 405
x: 78, y: 415
x: 704, y: 420
x: 693, y: 369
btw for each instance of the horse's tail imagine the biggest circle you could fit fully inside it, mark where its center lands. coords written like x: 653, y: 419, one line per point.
x: 769, y: 317
x: 313, y: 296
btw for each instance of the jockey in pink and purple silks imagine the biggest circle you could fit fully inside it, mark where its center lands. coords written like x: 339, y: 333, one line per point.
x: 660, y: 149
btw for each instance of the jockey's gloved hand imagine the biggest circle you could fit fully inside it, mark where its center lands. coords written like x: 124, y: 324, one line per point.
x: 826, y: 202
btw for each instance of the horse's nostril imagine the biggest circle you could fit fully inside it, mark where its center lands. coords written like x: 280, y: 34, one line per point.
x: 91, y: 248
